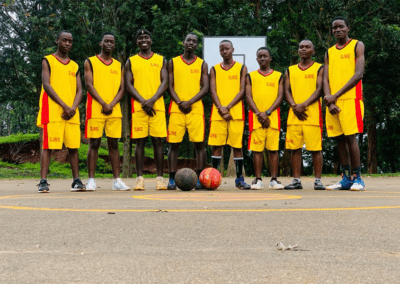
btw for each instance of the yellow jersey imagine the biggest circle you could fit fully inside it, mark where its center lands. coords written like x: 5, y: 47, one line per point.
x: 303, y: 83
x: 264, y: 89
x: 107, y: 82
x: 227, y: 83
x: 147, y: 79
x: 63, y: 81
x: 187, y: 80
x: 342, y: 66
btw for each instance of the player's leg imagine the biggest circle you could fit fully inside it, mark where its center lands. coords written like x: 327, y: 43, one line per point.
x: 176, y: 131
x: 139, y: 159
x: 94, y: 145
x: 317, y: 164
x: 77, y: 184
x: 313, y: 140
x: 216, y: 156
x: 43, y: 186
x: 295, y: 142
x: 200, y: 161
x: 258, y: 160
x: 113, y: 153
x: 172, y: 164
x: 272, y: 145
x: 140, y: 131
x: 239, y: 163
x: 354, y: 151
x: 159, y: 160
x: 296, y: 161
x: 256, y: 144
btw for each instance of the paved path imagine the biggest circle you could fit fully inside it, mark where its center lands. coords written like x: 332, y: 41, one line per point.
x: 223, y: 236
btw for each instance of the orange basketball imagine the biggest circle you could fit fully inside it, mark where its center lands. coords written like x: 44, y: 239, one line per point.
x: 210, y: 178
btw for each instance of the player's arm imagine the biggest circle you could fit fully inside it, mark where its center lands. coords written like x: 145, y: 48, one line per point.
x: 121, y: 91
x: 298, y: 110
x: 171, y: 83
x: 213, y: 91
x: 129, y: 83
x: 358, y: 74
x: 252, y: 104
x: 92, y: 90
x: 332, y: 107
x: 78, y: 96
x: 161, y: 89
x: 68, y: 111
x: 239, y: 95
x: 204, y: 87
x: 263, y: 116
x: 318, y: 91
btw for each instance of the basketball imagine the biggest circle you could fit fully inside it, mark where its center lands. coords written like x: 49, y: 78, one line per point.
x: 186, y: 179
x: 210, y: 178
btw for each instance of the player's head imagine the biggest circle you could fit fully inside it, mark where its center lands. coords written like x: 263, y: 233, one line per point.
x: 190, y: 42
x: 64, y: 41
x: 226, y: 49
x: 264, y: 56
x: 107, y: 42
x: 306, y: 49
x: 340, y: 27
x: 143, y: 39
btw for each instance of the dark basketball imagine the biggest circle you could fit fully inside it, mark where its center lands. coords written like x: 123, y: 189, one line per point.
x: 186, y: 179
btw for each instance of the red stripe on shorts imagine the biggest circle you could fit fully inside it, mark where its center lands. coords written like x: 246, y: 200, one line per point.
x: 358, y: 87
x: 45, y: 138
x: 251, y: 122
x: 360, y: 123
x: 321, y: 121
x: 204, y: 127
x: 133, y: 106
x: 45, y: 109
x: 279, y: 118
x: 89, y: 106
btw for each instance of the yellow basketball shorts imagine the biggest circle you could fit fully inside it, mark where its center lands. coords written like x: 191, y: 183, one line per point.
x: 144, y: 125
x: 297, y: 135
x: 348, y: 121
x: 94, y: 127
x: 57, y: 133
x: 264, y: 138
x: 226, y: 132
x: 178, y: 122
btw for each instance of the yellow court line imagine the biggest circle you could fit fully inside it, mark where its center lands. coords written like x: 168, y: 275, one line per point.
x: 198, y: 210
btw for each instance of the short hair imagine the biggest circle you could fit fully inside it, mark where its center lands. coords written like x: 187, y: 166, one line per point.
x: 62, y: 31
x: 226, y: 40
x: 264, y: 48
x: 341, y: 18
x: 106, y: 33
x: 306, y: 39
x: 142, y: 32
x: 191, y: 33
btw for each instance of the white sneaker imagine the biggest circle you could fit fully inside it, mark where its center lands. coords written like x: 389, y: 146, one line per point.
x: 118, y: 184
x: 160, y: 184
x: 139, y: 184
x: 91, y: 185
x: 275, y: 185
x: 257, y: 184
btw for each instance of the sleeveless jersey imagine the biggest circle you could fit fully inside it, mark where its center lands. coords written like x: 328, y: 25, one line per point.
x: 147, y: 79
x: 303, y: 83
x: 107, y: 82
x: 228, y: 86
x: 342, y: 66
x: 63, y: 81
x: 187, y: 79
x: 264, y: 89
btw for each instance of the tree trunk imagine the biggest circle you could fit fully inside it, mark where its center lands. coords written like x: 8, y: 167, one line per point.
x: 284, y: 165
x: 231, y: 171
x: 221, y: 167
x: 126, y: 139
x: 372, y: 149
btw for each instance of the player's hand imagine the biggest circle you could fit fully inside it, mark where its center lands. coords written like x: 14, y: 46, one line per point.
x: 227, y: 117
x: 298, y: 109
x: 302, y: 116
x: 265, y: 123
x: 329, y: 100
x: 68, y: 113
x: 107, y: 109
x: 151, y: 112
x: 333, y: 109
x: 223, y: 110
x: 147, y: 105
x: 185, y: 107
x: 262, y: 116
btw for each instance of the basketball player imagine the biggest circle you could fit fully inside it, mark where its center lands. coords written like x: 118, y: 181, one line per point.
x: 188, y: 84
x: 227, y: 84
x: 264, y: 94
x: 58, y: 114
x: 105, y: 84
x: 146, y: 78
x: 303, y: 89
x: 344, y: 63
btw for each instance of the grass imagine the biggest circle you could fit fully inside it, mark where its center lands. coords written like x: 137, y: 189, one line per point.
x: 19, y: 138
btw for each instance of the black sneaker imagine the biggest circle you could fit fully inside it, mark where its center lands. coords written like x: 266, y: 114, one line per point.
x: 318, y: 185
x: 43, y: 186
x: 294, y: 185
x: 77, y: 185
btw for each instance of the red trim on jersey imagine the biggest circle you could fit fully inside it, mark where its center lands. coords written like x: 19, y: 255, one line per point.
x: 321, y: 121
x: 303, y: 69
x: 169, y: 108
x: 133, y: 105
x: 89, y: 106
x: 343, y: 45
x: 45, y: 144
x: 105, y: 63
x: 45, y: 109
x: 265, y: 75
x: 226, y: 69
x: 249, y: 142
x: 144, y: 57
x: 279, y: 118
x: 191, y: 62
x: 86, y: 127
x: 65, y: 63
x: 243, y: 114
x: 360, y: 123
x: 359, y: 94
x: 251, y: 122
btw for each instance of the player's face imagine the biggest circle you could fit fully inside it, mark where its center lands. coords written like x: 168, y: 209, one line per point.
x: 306, y: 49
x: 190, y: 43
x: 226, y: 50
x: 144, y: 41
x: 340, y: 29
x: 263, y: 58
x: 64, y: 42
x: 108, y: 44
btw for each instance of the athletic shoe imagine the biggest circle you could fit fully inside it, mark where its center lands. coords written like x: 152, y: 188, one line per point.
x: 344, y: 184
x: 294, y: 185
x: 318, y: 185
x: 43, y: 186
x: 171, y: 185
x: 118, y: 184
x: 239, y: 182
x: 275, y: 184
x: 199, y: 186
x: 256, y: 184
x: 160, y: 184
x: 139, y: 184
x: 77, y: 185
x: 358, y: 184
x: 91, y: 185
